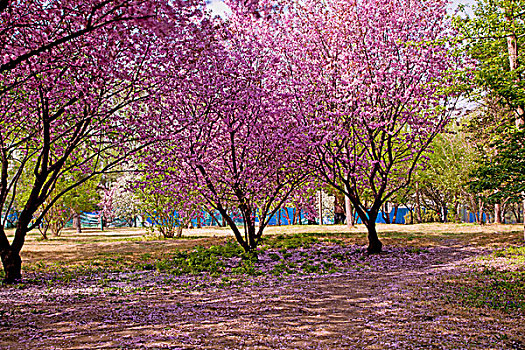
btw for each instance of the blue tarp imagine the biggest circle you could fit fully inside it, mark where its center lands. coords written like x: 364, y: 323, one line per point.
x: 472, y: 217
x: 400, y: 218
x: 92, y: 219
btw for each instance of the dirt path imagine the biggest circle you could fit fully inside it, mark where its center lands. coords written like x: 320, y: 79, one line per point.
x: 386, y: 309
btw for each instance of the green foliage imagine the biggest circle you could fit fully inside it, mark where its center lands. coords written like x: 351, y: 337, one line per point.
x: 443, y: 182
x: 451, y: 160
x: 308, y: 267
x: 158, y: 208
x: 71, y: 193
x: 247, y: 267
x: 485, y: 39
x: 286, y: 251
x: 282, y: 268
x: 168, y: 212
x: 84, y: 197
x: 514, y: 254
x: 430, y: 216
x: 274, y: 256
x: 504, y: 173
x: 494, y: 36
x: 493, y: 287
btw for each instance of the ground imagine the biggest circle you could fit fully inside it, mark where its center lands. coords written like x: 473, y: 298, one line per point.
x: 312, y: 287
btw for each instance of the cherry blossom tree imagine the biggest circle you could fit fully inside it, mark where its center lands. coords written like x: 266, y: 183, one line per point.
x: 242, y: 150
x: 79, y: 80
x: 122, y: 199
x: 372, y: 79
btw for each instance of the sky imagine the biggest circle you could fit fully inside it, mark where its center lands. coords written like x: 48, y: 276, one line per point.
x: 454, y: 4
x: 217, y: 7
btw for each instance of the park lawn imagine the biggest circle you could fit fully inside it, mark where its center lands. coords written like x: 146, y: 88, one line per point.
x: 73, y: 247
x: 436, y: 286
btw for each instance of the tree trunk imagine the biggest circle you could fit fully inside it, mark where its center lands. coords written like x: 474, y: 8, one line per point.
x: 279, y: 217
x: 214, y: 219
x: 418, y: 205
x: 320, y: 207
x: 512, y: 47
x: 374, y: 244
x: 231, y: 223
x: 43, y: 230
x: 456, y: 212
x: 297, y: 216
x: 250, y: 226
x: 497, y: 213
x: 12, y: 265
x: 480, y: 212
x: 385, y: 213
x: 369, y: 219
x: 444, y: 212
x: 76, y: 222
x: 10, y: 253
x: 349, y: 213
x: 287, y: 216
x: 504, y: 209
x: 524, y: 219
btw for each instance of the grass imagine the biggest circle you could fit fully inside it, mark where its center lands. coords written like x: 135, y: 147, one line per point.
x: 215, y: 260
x: 490, y: 288
x: 514, y: 254
x: 496, y: 282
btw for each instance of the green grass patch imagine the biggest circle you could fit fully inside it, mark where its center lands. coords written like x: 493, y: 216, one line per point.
x: 502, y: 290
x: 499, y: 288
x: 215, y: 260
x: 284, y: 242
x: 515, y: 254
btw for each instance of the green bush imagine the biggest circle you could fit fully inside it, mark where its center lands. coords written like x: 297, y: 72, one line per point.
x: 430, y: 216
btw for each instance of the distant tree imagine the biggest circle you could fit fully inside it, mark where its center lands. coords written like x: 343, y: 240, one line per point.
x: 444, y: 181
x: 68, y: 207
x: 494, y: 36
x: 503, y: 175
x: 122, y: 198
x: 169, y: 212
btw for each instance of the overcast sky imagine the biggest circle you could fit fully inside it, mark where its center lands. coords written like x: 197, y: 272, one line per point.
x: 454, y: 3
